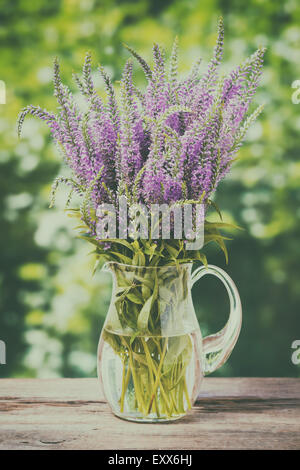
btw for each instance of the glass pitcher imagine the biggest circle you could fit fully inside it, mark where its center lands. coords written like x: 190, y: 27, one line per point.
x: 151, y: 354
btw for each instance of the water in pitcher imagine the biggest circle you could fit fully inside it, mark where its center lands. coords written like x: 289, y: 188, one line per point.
x: 150, y: 378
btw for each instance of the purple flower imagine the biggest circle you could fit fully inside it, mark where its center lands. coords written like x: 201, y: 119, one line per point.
x: 172, y: 143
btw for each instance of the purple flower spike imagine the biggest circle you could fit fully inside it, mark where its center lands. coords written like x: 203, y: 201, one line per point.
x: 174, y: 142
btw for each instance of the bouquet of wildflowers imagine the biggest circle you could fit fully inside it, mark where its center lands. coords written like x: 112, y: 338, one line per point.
x: 170, y: 144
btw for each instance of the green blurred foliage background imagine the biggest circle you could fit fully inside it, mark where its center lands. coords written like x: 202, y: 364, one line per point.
x: 51, y: 308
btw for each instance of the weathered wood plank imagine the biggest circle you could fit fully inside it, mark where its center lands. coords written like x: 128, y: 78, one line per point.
x: 235, y: 413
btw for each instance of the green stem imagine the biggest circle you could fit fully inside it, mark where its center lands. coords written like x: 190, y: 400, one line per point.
x: 158, y: 375
x: 123, y: 388
x: 138, y: 394
x: 125, y: 382
x: 149, y: 362
x: 186, y: 393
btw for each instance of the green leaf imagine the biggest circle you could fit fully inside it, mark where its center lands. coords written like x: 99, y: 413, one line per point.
x: 201, y: 257
x: 134, y: 298
x: 120, y: 241
x: 89, y: 239
x: 132, y: 338
x: 225, y: 225
x: 179, y: 347
x: 141, y: 258
x: 216, y: 207
x: 144, y: 314
x: 143, y: 317
x: 172, y: 251
x: 121, y: 290
x: 144, y: 281
x: 223, y: 248
x: 146, y: 291
x: 122, y: 258
x: 97, y: 262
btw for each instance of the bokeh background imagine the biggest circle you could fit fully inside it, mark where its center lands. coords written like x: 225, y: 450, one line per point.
x: 51, y: 308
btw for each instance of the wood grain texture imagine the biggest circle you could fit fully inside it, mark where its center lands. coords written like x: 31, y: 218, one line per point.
x: 235, y: 413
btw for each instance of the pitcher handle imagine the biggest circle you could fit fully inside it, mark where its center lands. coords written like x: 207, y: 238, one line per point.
x: 217, y: 347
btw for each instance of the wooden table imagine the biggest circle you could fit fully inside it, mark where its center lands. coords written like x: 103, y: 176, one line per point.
x: 246, y: 413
